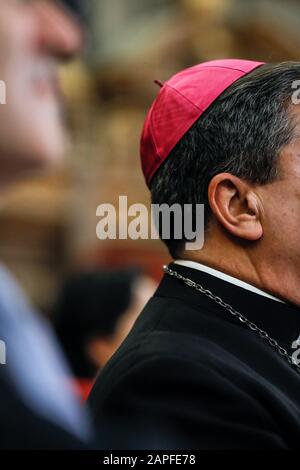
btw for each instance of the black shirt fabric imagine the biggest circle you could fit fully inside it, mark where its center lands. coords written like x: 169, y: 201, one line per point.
x: 191, y: 376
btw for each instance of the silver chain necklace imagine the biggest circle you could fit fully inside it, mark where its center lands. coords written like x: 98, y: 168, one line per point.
x: 252, y: 326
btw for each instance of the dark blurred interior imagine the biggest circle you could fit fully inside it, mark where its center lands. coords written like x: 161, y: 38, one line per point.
x: 48, y: 224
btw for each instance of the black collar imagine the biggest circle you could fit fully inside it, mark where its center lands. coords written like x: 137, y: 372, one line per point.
x: 280, y: 320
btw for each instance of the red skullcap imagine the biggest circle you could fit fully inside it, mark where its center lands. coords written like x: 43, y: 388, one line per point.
x: 179, y: 104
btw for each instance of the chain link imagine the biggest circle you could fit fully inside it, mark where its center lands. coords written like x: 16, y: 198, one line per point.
x: 252, y: 326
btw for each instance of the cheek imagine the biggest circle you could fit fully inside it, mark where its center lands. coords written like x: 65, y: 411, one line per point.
x: 32, y: 130
x: 18, y: 34
x: 282, y: 214
x: 30, y: 122
x: 290, y: 224
x: 34, y: 117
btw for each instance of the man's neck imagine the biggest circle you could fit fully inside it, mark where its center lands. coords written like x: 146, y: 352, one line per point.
x: 225, y: 277
x: 267, y: 272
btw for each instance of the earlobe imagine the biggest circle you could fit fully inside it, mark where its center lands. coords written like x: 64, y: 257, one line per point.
x: 235, y: 206
x: 98, y: 351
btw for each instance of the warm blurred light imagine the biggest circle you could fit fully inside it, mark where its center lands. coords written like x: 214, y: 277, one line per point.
x: 208, y: 6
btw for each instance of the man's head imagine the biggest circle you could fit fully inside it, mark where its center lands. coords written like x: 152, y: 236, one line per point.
x: 241, y: 159
x: 34, y: 36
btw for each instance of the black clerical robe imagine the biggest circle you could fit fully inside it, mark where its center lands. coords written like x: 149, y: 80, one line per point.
x: 190, y: 376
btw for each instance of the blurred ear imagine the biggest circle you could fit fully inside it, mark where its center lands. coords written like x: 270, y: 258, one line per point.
x: 99, y: 351
x: 236, y: 206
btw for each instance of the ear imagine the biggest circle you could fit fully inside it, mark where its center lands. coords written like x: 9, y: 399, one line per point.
x: 236, y: 206
x: 99, y: 351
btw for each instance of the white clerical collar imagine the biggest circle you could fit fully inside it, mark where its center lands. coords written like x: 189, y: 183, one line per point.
x: 225, y: 277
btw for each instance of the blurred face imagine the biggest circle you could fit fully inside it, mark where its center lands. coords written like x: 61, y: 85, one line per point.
x: 34, y: 36
x: 144, y: 289
x: 100, y: 350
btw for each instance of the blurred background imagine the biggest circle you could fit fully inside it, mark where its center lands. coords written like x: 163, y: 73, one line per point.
x: 48, y: 224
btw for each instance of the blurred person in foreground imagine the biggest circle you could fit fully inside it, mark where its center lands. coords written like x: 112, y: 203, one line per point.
x: 37, y: 407
x: 212, y: 354
x: 94, y: 314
